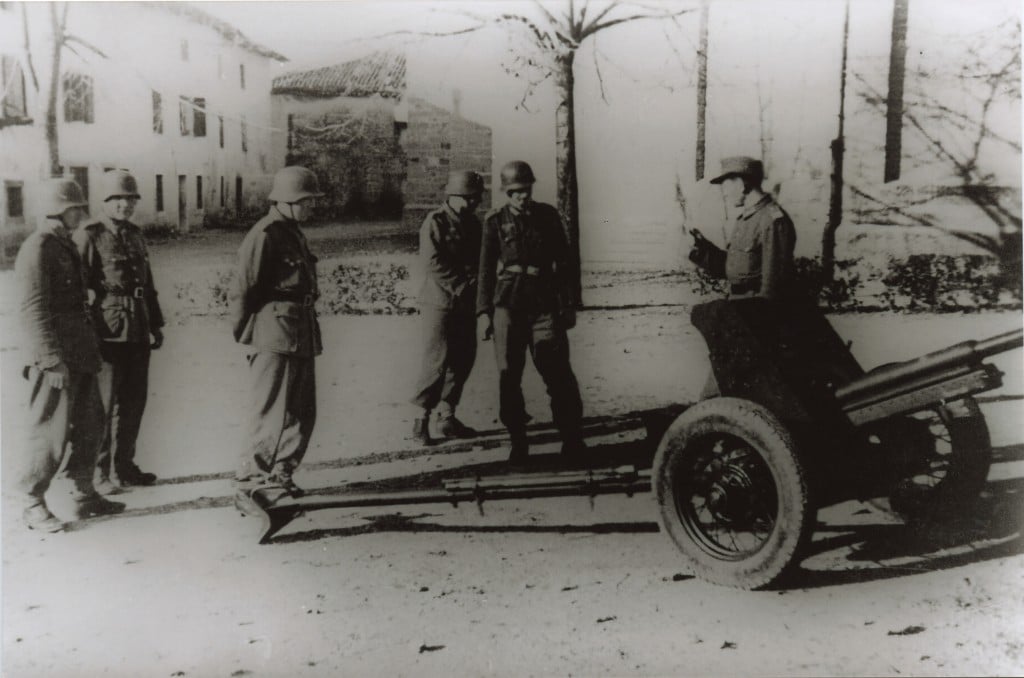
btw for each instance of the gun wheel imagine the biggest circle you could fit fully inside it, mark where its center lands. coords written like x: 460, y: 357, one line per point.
x: 732, y: 493
x: 947, y: 453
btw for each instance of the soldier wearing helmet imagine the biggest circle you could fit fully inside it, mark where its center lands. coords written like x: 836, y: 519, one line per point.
x: 758, y: 260
x: 450, y: 254
x: 273, y: 314
x: 525, y: 302
x: 129, y: 321
x: 62, y: 360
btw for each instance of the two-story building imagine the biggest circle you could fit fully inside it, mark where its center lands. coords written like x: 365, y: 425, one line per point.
x: 174, y: 95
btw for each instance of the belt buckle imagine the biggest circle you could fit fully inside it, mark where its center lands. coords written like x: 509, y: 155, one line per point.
x: 138, y: 292
x: 532, y: 270
x: 308, y: 300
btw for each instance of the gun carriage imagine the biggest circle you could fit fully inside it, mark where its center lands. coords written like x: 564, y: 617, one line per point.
x: 798, y: 425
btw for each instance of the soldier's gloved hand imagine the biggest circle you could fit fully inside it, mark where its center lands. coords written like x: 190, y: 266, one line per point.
x: 484, y: 327
x: 56, y: 376
x: 158, y: 339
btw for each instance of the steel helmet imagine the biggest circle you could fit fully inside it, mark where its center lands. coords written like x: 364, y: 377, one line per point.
x: 464, y: 182
x: 292, y: 184
x: 741, y: 166
x: 516, y: 175
x: 119, y: 184
x: 58, y: 195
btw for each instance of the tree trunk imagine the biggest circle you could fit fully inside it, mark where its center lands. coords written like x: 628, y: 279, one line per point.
x: 565, y: 164
x: 894, y: 108
x: 702, y: 88
x: 835, y: 203
x: 51, y: 105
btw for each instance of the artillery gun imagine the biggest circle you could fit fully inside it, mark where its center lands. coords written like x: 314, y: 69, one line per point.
x: 797, y: 424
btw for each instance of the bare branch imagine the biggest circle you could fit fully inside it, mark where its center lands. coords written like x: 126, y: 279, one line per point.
x: 594, y: 28
x: 64, y: 19
x: 28, y: 47
x: 597, y: 69
x: 68, y: 38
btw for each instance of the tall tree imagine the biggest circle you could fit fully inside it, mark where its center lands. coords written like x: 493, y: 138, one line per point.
x: 838, y: 147
x: 702, y: 88
x: 894, y: 106
x: 553, y: 35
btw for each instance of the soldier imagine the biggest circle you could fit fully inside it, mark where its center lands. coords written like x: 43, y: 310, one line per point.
x: 450, y: 252
x: 758, y: 260
x: 128, y: 318
x: 62, y: 360
x: 273, y: 312
x: 525, y: 300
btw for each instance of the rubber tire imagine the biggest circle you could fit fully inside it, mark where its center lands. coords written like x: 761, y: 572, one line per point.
x: 971, y: 458
x: 769, y: 437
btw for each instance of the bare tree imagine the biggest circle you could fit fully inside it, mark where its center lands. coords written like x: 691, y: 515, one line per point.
x: 838, y: 147
x: 950, y: 120
x: 553, y: 35
x: 62, y: 39
x: 702, y: 89
x: 894, y: 105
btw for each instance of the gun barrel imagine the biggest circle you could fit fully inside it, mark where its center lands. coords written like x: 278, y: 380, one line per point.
x: 958, y: 355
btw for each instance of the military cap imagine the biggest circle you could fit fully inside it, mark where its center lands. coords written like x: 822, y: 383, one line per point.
x: 741, y: 166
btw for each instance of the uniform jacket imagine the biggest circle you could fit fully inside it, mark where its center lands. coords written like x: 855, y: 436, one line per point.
x: 117, y: 271
x: 534, y: 241
x: 272, y: 304
x: 55, y: 322
x: 450, y: 254
x: 759, y: 256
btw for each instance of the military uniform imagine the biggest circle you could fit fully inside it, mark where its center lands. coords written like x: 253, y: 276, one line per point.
x: 126, y: 312
x: 273, y: 312
x: 65, y: 425
x: 525, y: 284
x: 450, y: 255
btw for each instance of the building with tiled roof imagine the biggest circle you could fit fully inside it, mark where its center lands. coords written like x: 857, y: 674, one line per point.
x: 378, y: 152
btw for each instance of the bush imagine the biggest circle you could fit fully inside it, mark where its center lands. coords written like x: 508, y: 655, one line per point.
x: 372, y: 288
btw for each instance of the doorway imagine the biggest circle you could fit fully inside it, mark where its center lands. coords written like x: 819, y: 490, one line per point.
x: 182, y: 204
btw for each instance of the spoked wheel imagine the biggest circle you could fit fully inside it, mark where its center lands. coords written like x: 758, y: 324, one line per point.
x: 945, y: 456
x: 731, y: 492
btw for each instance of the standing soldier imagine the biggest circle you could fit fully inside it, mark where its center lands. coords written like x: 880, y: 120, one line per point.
x: 129, y: 322
x: 62, y: 360
x: 525, y: 300
x: 758, y: 260
x: 273, y: 312
x: 450, y: 252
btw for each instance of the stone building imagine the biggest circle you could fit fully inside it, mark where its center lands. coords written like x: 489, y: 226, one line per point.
x: 379, y: 152
x: 165, y: 90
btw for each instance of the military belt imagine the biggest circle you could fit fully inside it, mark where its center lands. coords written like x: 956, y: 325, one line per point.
x: 528, y: 270
x: 133, y: 292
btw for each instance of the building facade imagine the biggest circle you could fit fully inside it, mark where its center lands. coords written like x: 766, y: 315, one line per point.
x: 379, y: 152
x: 164, y: 90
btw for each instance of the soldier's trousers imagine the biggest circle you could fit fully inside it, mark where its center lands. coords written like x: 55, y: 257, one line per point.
x: 65, y: 431
x: 282, y: 407
x: 449, y: 351
x: 124, y: 386
x: 514, y: 332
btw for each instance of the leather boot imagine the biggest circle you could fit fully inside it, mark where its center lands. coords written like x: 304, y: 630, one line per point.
x: 450, y: 427
x: 37, y: 517
x: 519, y: 450
x: 421, y: 431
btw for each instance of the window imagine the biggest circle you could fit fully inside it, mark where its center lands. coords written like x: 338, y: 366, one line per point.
x: 222, y: 196
x: 81, y: 177
x: 199, y: 117
x: 199, y: 192
x: 159, y: 193
x: 245, y: 136
x: 15, y: 199
x: 192, y: 116
x: 220, y: 126
x: 78, y: 96
x: 238, y: 193
x: 158, y: 113
x: 184, y: 50
x: 12, y: 84
x: 241, y: 75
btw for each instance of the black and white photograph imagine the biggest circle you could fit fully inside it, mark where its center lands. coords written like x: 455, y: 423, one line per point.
x: 507, y: 338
